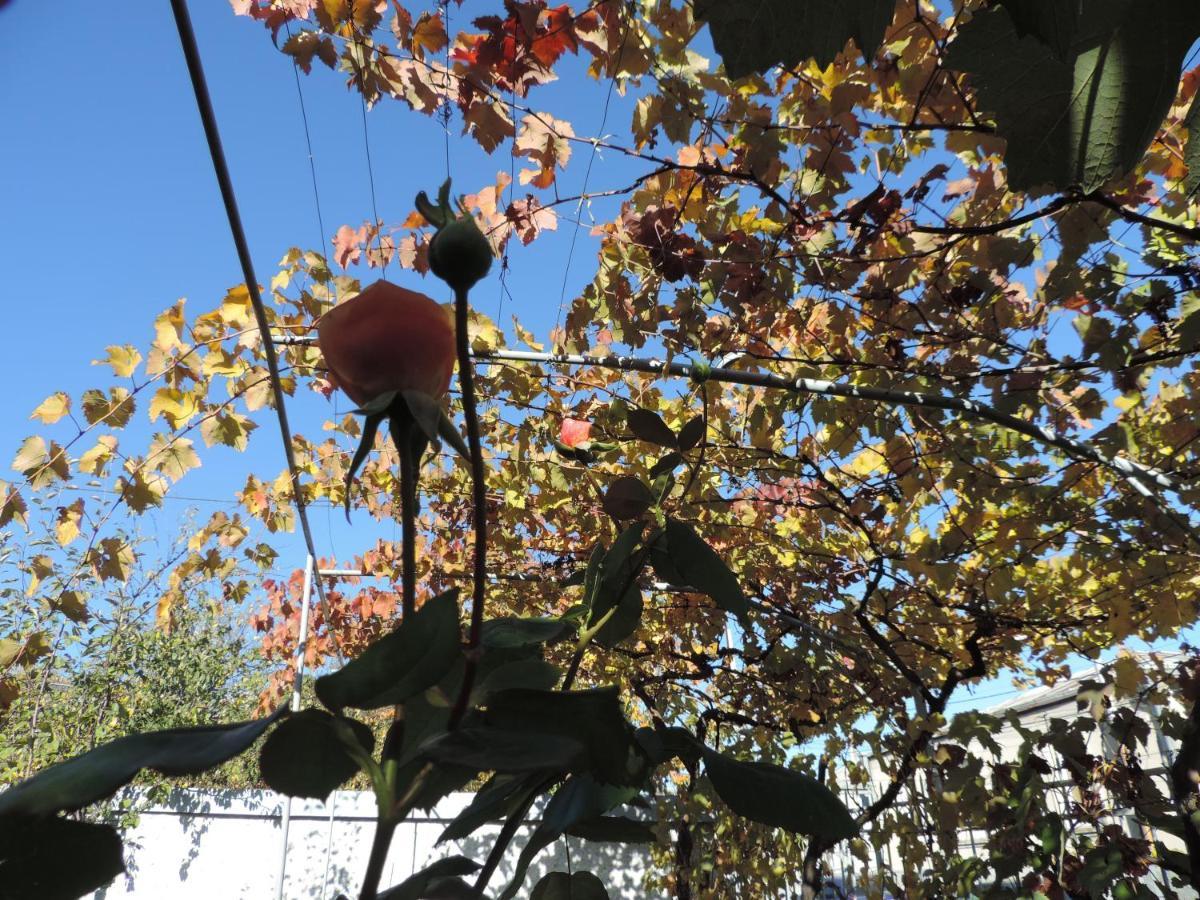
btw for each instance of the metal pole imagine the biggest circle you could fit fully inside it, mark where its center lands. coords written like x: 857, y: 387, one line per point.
x: 297, y: 684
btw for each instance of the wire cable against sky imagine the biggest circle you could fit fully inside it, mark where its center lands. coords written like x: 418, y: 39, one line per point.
x: 312, y: 163
x: 191, y: 53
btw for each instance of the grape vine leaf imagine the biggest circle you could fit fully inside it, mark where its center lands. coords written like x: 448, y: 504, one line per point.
x: 1078, y: 120
x: 754, y: 35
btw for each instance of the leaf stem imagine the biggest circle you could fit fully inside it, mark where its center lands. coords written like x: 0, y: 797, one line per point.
x: 466, y: 380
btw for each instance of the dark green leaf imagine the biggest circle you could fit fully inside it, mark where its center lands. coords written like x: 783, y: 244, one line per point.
x: 56, y: 859
x: 453, y: 888
x: 592, y: 717
x: 377, y: 405
x: 1053, y: 22
x: 613, y: 582
x: 520, y: 673
x: 421, y: 722
x: 305, y: 757
x: 782, y: 798
x: 663, y: 567
x: 663, y: 744
x: 1078, y: 119
x: 417, y: 887
x: 405, y: 662
x: 666, y: 465
x: 649, y: 427
x: 563, y: 886
x: 498, y: 750
x: 613, y: 829
x: 692, y: 433
x: 511, y: 632
x: 436, y: 783
x: 754, y: 35
x: 494, y: 801
x: 627, y: 498
x: 579, y: 799
x: 702, y: 569
x: 83, y: 780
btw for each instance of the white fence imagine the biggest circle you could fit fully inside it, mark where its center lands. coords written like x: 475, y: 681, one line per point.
x: 229, y: 844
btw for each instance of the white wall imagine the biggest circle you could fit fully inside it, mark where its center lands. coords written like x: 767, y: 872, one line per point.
x: 227, y: 844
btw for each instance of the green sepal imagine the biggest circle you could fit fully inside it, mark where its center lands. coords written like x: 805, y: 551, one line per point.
x: 366, y: 442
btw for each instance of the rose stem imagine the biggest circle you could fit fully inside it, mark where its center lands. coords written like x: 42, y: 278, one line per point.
x: 466, y: 380
x: 408, y: 523
x: 379, y: 851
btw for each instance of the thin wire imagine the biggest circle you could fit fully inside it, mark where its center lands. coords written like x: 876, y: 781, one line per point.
x: 312, y: 163
x: 562, y: 294
x: 371, y: 171
x: 512, y: 177
x: 191, y: 52
x: 445, y: 112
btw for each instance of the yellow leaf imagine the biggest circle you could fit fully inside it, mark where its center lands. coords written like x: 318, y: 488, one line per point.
x: 236, y: 309
x: 173, y: 458
x: 141, y: 492
x: 526, y: 337
x: 12, y: 506
x: 257, y: 391
x: 40, y: 465
x: 67, y: 519
x: 177, y: 407
x: 1127, y: 675
x: 166, y: 605
x: 31, y: 456
x: 230, y: 429
x: 168, y: 328
x: 111, y: 559
x: 96, y: 460
x: 114, y: 410
x: 72, y: 604
x: 39, y: 568
x: 123, y: 358
x: 867, y: 462
x: 53, y: 408
x: 220, y: 361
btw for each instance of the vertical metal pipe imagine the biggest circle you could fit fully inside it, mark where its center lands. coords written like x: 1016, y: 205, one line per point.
x: 297, y: 685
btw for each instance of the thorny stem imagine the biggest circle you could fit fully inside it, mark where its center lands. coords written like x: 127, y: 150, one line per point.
x: 466, y: 380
